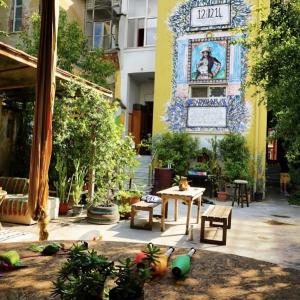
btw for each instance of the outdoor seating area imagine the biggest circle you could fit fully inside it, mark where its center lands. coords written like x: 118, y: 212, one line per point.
x: 149, y: 149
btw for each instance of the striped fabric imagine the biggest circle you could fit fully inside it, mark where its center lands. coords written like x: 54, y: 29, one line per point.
x: 14, y: 185
x: 16, y: 202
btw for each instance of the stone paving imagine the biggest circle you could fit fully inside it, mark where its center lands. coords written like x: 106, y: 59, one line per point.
x: 268, y: 231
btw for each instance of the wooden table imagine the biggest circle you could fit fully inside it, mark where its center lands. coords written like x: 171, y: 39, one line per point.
x: 188, y: 197
x: 2, y: 196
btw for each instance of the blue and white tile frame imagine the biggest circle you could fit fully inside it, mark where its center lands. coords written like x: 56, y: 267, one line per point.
x: 238, y: 111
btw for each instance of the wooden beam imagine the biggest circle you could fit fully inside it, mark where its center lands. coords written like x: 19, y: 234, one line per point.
x: 14, y: 69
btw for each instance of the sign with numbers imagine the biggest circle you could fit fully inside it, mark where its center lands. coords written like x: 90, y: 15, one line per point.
x: 213, y: 15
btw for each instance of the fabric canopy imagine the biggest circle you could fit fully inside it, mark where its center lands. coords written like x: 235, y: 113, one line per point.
x: 42, y: 132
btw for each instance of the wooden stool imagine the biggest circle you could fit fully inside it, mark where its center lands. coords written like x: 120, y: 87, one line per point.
x: 216, y: 214
x: 240, y: 192
x: 143, y: 206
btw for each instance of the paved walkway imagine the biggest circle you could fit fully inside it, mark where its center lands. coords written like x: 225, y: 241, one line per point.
x: 268, y: 231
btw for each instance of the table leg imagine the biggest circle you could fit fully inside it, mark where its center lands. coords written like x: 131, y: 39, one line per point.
x: 198, y: 210
x: 162, y: 221
x: 189, y: 205
x: 176, y: 210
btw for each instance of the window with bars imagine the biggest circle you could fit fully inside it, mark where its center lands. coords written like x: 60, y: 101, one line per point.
x: 142, y: 23
x: 17, y: 15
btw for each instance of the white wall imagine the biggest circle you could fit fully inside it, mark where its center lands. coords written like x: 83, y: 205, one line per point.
x: 146, y: 92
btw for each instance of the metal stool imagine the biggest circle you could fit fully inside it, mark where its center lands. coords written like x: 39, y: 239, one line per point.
x: 240, y: 192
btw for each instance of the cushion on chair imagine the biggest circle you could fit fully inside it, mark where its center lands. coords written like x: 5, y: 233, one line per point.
x: 151, y: 199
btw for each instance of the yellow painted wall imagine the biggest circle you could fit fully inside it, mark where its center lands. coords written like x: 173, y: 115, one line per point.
x: 256, y: 135
x: 163, y: 67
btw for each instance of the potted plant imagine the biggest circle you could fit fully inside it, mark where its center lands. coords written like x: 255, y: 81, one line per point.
x: 258, y: 195
x: 61, y: 185
x: 130, y: 276
x: 108, y: 155
x: 129, y: 196
x: 124, y: 211
x: 83, y: 276
x: 202, y: 168
x: 173, y: 150
x: 235, y: 157
x: 77, y: 186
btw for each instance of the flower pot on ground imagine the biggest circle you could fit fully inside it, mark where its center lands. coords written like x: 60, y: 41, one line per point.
x: 223, y: 196
x: 77, y: 186
x: 63, y: 208
x: 61, y: 185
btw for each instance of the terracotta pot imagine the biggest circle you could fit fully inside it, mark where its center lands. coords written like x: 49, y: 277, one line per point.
x: 63, y: 208
x: 222, y: 196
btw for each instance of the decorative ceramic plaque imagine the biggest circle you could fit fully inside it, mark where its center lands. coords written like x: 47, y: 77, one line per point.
x: 207, y: 116
x: 213, y: 15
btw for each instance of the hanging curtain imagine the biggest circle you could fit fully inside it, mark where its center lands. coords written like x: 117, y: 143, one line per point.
x: 42, y: 132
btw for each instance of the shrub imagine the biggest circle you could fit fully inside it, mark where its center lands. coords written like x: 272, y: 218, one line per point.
x: 176, y: 148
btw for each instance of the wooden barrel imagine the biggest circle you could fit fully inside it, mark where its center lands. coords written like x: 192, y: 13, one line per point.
x: 103, y: 215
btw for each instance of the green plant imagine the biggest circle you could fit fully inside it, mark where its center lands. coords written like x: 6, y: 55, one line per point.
x: 129, y: 281
x: 124, y: 210
x: 78, y: 181
x: 203, y: 154
x: 91, y: 65
x: 176, y: 180
x: 83, y: 276
x: 61, y: 184
x: 235, y: 156
x: 85, y: 129
x: 202, y: 166
x: 127, y: 194
x: 130, y: 277
x: 176, y: 148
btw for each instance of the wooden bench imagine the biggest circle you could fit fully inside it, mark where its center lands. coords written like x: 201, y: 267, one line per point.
x: 218, y: 216
x: 142, y: 206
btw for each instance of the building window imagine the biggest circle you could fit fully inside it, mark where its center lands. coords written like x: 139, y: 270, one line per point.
x: 101, y: 25
x: 17, y: 21
x: 142, y: 23
x: 200, y: 91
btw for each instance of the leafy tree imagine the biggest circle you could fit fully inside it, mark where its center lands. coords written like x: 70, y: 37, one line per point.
x: 276, y: 69
x: 275, y: 44
x: 72, y: 49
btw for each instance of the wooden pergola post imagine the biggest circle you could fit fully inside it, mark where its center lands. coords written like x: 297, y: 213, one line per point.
x: 42, y: 132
